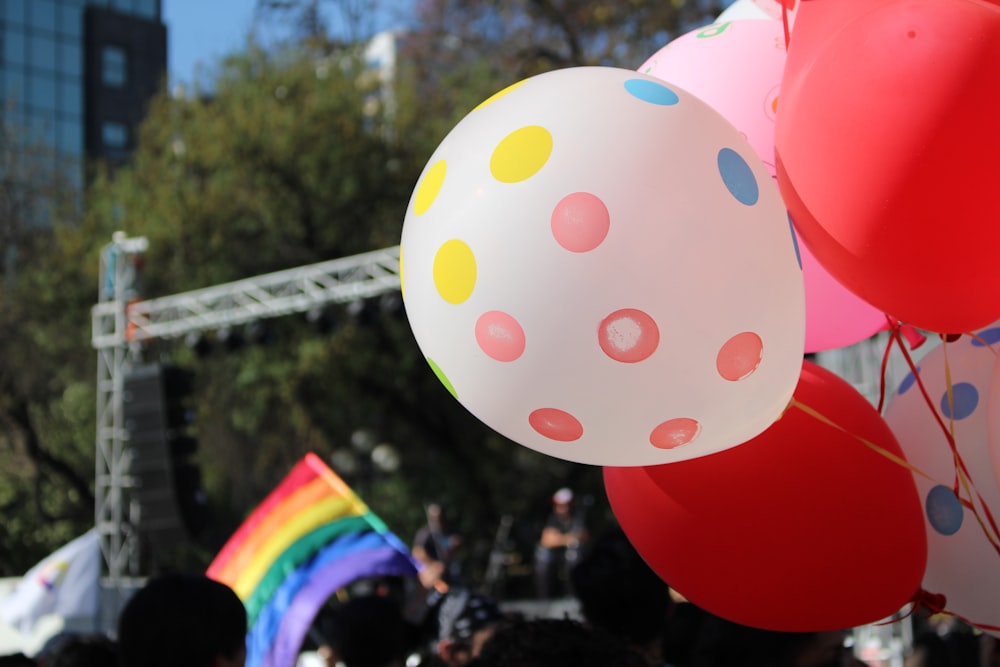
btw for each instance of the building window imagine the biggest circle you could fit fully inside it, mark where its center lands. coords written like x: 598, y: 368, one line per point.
x: 147, y: 9
x: 114, y: 135
x: 114, y: 66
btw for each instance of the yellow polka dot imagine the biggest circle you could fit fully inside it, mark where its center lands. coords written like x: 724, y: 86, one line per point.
x: 496, y: 96
x: 455, y: 271
x: 430, y: 186
x: 521, y: 154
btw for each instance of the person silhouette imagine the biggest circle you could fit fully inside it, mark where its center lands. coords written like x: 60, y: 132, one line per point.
x: 558, y: 547
x: 370, y: 631
x: 434, y: 547
x: 183, y: 619
x: 619, y: 592
x: 555, y: 642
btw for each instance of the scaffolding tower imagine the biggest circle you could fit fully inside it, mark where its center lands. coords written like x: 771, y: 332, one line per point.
x: 121, y: 323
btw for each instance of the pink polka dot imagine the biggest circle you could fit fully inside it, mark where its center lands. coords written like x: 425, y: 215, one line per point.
x: 555, y: 424
x: 740, y: 356
x: 580, y: 222
x: 500, y: 336
x: 628, y: 335
x: 674, y: 433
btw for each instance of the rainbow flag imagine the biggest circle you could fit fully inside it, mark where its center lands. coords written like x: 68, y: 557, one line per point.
x: 311, y: 536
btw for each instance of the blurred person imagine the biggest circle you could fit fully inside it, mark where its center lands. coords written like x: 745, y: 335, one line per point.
x: 989, y: 650
x: 370, y: 631
x: 558, y: 547
x: 550, y: 642
x: 83, y: 650
x: 618, y: 592
x: 183, y: 619
x: 465, y: 621
x: 434, y: 546
x: 726, y: 644
x: 928, y: 649
x: 17, y: 660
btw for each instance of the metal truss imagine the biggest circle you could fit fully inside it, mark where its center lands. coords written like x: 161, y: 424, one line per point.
x: 120, y: 324
x: 271, y: 295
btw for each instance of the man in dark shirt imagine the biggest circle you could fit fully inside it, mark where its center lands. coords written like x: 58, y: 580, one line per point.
x: 558, y: 547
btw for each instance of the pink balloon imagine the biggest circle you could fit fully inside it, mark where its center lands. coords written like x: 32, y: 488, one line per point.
x: 835, y: 316
x: 736, y: 67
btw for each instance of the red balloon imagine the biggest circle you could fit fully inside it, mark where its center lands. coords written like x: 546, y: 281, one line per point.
x: 886, y: 149
x: 804, y: 528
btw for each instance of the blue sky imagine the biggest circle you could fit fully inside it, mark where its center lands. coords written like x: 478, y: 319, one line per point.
x: 200, y: 32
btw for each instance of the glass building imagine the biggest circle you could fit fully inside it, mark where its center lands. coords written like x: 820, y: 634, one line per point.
x: 76, y: 75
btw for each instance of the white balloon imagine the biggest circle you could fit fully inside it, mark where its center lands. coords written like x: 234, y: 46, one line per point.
x: 962, y: 563
x: 992, y: 337
x: 599, y: 267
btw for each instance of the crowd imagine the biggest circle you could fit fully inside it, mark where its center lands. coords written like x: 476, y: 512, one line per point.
x: 628, y: 617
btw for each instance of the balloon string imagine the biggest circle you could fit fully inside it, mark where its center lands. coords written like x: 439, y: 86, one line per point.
x: 882, y: 376
x: 815, y: 414
x: 967, y: 478
x: 936, y: 603
x: 784, y: 22
x: 962, y: 477
x: 913, y: 337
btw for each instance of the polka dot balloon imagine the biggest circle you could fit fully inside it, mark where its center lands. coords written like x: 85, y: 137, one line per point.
x: 736, y: 68
x: 991, y: 337
x: 962, y: 563
x: 598, y: 266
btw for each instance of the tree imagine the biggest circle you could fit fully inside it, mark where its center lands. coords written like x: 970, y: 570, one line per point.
x: 466, y: 51
x: 285, y: 165
x: 299, y: 153
x: 46, y: 385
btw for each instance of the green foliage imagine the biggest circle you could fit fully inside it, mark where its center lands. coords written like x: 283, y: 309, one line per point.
x: 46, y: 405
x: 296, y: 157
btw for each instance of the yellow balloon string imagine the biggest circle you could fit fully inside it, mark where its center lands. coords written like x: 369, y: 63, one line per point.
x: 962, y: 480
x: 815, y: 414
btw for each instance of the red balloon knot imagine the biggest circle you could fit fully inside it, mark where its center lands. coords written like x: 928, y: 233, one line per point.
x: 933, y: 602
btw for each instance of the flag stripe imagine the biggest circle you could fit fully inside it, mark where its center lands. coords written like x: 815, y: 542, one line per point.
x: 265, y: 630
x: 297, y: 554
x: 310, y: 536
x: 382, y: 561
x: 296, y: 526
x: 300, y: 474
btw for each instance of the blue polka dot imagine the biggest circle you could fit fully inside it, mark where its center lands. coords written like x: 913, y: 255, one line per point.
x: 987, y: 337
x: 944, y: 510
x: 738, y: 177
x: 651, y: 91
x: 964, y: 398
x: 795, y: 242
x: 908, y: 382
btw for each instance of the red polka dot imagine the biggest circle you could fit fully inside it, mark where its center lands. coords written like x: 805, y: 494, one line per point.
x: 740, y: 356
x: 628, y: 335
x: 556, y: 424
x: 580, y: 222
x: 500, y: 335
x: 674, y: 433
